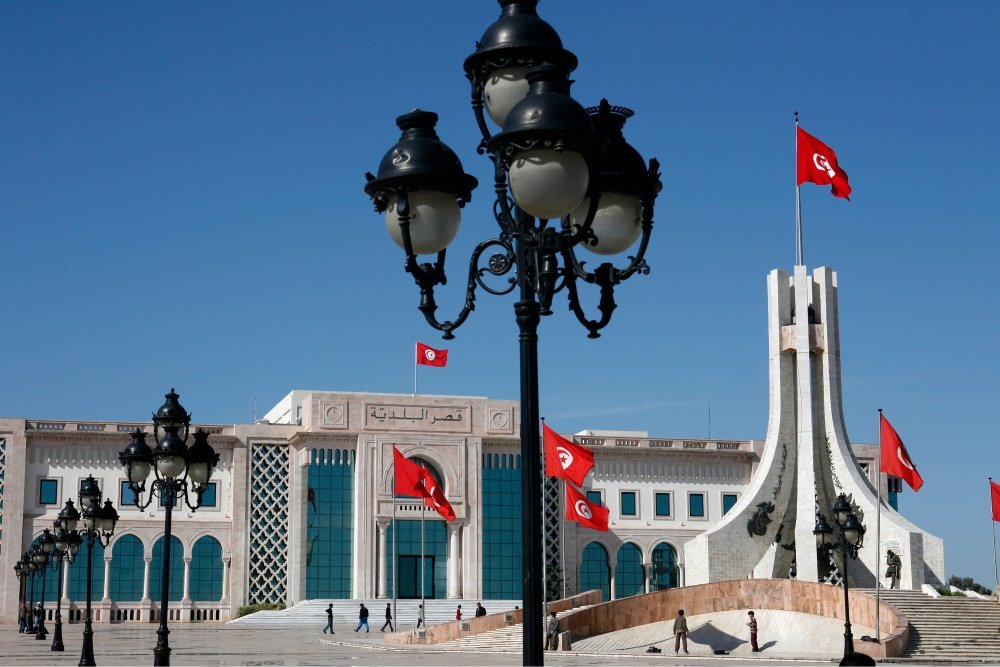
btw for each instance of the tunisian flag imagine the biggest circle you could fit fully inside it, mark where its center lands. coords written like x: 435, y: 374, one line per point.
x: 428, y: 356
x: 435, y: 498
x: 817, y: 163
x: 995, y: 499
x: 579, y: 509
x: 409, y: 476
x: 895, y: 460
x: 566, y: 459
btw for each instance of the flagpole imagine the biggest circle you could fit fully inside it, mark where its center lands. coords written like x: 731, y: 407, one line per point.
x: 395, y: 563
x: 414, y: 369
x: 423, y: 598
x: 798, y: 200
x: 545, y: 552
x: 878, y: 529
x: 993, y: 523
x: 562, y: 543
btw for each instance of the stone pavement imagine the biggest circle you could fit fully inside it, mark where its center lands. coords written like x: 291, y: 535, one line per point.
x: 220, y: 644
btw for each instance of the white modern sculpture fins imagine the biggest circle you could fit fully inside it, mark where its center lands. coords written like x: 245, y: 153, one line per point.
x: 807, y: 462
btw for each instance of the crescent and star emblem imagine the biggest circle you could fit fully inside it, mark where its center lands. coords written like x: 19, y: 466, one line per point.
x: 583, y: 509
x: 903, y: 458
x: 822, y: 163
x: 565, y: 457
x: 429, y: 355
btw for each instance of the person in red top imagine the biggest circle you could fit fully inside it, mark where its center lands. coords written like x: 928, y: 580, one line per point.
x: 458, y: 613
x: 752, y: 624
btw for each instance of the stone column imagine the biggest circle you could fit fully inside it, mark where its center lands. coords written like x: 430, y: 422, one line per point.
x: 145, y: 578
x: 226, y: 564
x: 647, y: 569
x: 65, y: 576
x: 454, y: 562
x: 107, y: 578
x: 187, y: 580
x: 383, y: 527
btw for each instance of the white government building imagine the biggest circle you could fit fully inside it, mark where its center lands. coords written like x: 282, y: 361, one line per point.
x: 301, y: 504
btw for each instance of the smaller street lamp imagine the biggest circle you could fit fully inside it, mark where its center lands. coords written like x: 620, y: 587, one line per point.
x: 29, y: 569
x: 848, y: 541
x: 41, y: 557
x: 21, y: 571
x: 180, y: 472
x: 67, y: 547
x: 98, y: 526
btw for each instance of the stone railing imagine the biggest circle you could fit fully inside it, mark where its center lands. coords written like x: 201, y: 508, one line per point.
x: 144, y: 612
x: 664, y: 443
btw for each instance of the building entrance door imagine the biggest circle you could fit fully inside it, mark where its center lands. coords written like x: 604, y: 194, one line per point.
x: 409, y: 577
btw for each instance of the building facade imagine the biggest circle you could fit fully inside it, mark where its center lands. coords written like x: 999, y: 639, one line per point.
x: 301, y: 507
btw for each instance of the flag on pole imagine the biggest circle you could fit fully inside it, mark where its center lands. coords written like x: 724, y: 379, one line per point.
x: 817, y: 163
x: 435, y: 498
x: 581, y: 510
x: 564, y: 458
x: 894, y: 459
x: 428, y: 356
x: 995, y: 499
x: 409, y: 476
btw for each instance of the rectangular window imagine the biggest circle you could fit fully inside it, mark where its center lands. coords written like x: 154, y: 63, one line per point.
x: 628, y: 503
x: 696, y: 505
x: 596, y: 496
x: 662, y: 504
x: 125, y: 496
x: 209, y: 497
x: 48, y: 492
x: 728, y: 500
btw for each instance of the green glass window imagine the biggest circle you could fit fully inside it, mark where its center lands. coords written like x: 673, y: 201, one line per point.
x: 209, y: 497
x: 434, y: 578
x: 78, y: 575
x: 595, y: 573
x: 176, y: 583
x: 127, y: 570
x: 126, y: 497
x: 330, y: 524
x: 628, y: 503
x: 48, y: 492
x: 662, y: 501
x: 595, y: 497
x: 628, y: 571
x: 728, y: 500
x: 696, y: 505
x: 664, y: 572
x: 206, y: 570
x: 501, y: 491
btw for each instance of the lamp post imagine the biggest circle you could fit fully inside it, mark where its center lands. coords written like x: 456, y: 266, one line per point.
x: 67, y: 543
x: 564, y: 178
x: 98, y: 526
x: 179, y: 471
x: 28, y: 563
x: 41, y: 557
x: 848, y: 541
x: 20, y: 574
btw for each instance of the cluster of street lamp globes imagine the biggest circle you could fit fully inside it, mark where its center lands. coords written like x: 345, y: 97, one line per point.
x: 565, y: 179
x: 180, y: 472
x: 848, y: 540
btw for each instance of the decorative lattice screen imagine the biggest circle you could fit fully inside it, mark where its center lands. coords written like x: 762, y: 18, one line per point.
x: 551, y: 504
x: 268, y: 571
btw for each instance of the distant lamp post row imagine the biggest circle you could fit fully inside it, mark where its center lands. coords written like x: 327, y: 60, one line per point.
x: 180, y: 472
x: 848, y: 540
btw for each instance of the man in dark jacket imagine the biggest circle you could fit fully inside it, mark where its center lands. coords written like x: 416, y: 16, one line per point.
x: 362, y: 618
x: 388, y: 618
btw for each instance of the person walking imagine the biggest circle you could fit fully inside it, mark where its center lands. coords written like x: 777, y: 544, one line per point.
x: 752, y: 624
x: 22, y: 617
x: 362, y: 618
x: 388, y: 618
x: 329, y: 620
x: 420, y: 616
x: 680, y: 632
x: 480, y: 609
x: 552, y: 633
x: 895, y: 564
x: 458, y: 613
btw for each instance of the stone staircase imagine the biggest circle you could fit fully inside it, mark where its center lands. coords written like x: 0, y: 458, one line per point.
x: 345, y: 612
x: 948, y: 627
x: 508, y: 639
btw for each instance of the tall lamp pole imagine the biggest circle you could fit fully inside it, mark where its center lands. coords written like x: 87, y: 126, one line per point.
x: 564, y: 178
x: 98, y: 527
x: 40, y: 554
x: 849, y: 539
x: 20, y: 573
x: 67, y: 547
x: 180, y: 472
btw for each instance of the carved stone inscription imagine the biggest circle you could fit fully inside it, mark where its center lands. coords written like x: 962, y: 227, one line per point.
x: 447, y: 419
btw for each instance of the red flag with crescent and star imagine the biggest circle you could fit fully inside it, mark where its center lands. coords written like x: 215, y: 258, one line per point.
x: 435, y: 498
x: 585, y: 513
x: 428, y: 356
x: 895, y: 460
x: 995, y: 499
x: 817, y: 163
x: 408, y: 476
x: 566, y: 459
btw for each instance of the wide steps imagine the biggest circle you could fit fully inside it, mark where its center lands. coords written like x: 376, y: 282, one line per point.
x: 948, y: 627
x: 345, y: 612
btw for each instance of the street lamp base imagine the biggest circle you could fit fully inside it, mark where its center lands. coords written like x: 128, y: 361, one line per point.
x: 87, y: 654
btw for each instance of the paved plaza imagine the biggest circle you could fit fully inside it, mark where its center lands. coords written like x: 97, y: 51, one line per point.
x: 204, y: 644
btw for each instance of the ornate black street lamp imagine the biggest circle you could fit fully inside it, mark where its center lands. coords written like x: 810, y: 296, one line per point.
x: 32, y: 566
x: 848, y: 541
x: 564, y: 178
x: 40, y: 554
x: 180, y: 471
x: 67, y: 543
x: 21, y: 573
x: 98, y: 526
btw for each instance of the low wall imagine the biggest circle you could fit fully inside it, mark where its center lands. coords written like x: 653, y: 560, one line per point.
x: 785, y: 594
x: 444, y: 632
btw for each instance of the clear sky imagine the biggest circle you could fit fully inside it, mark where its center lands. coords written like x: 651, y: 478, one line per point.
x: 181, y: 205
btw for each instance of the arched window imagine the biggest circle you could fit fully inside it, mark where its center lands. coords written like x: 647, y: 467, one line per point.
x: 128, y: 568
x: 628, y: 571
x: 78, y: 574
x: 176, y: 591
x: 595, y: 573
x: 206, y: 570
x: 50, y: 577
x: 664, y: 574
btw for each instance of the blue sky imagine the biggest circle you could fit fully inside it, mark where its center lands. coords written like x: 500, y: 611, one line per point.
x: 181, y: 205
